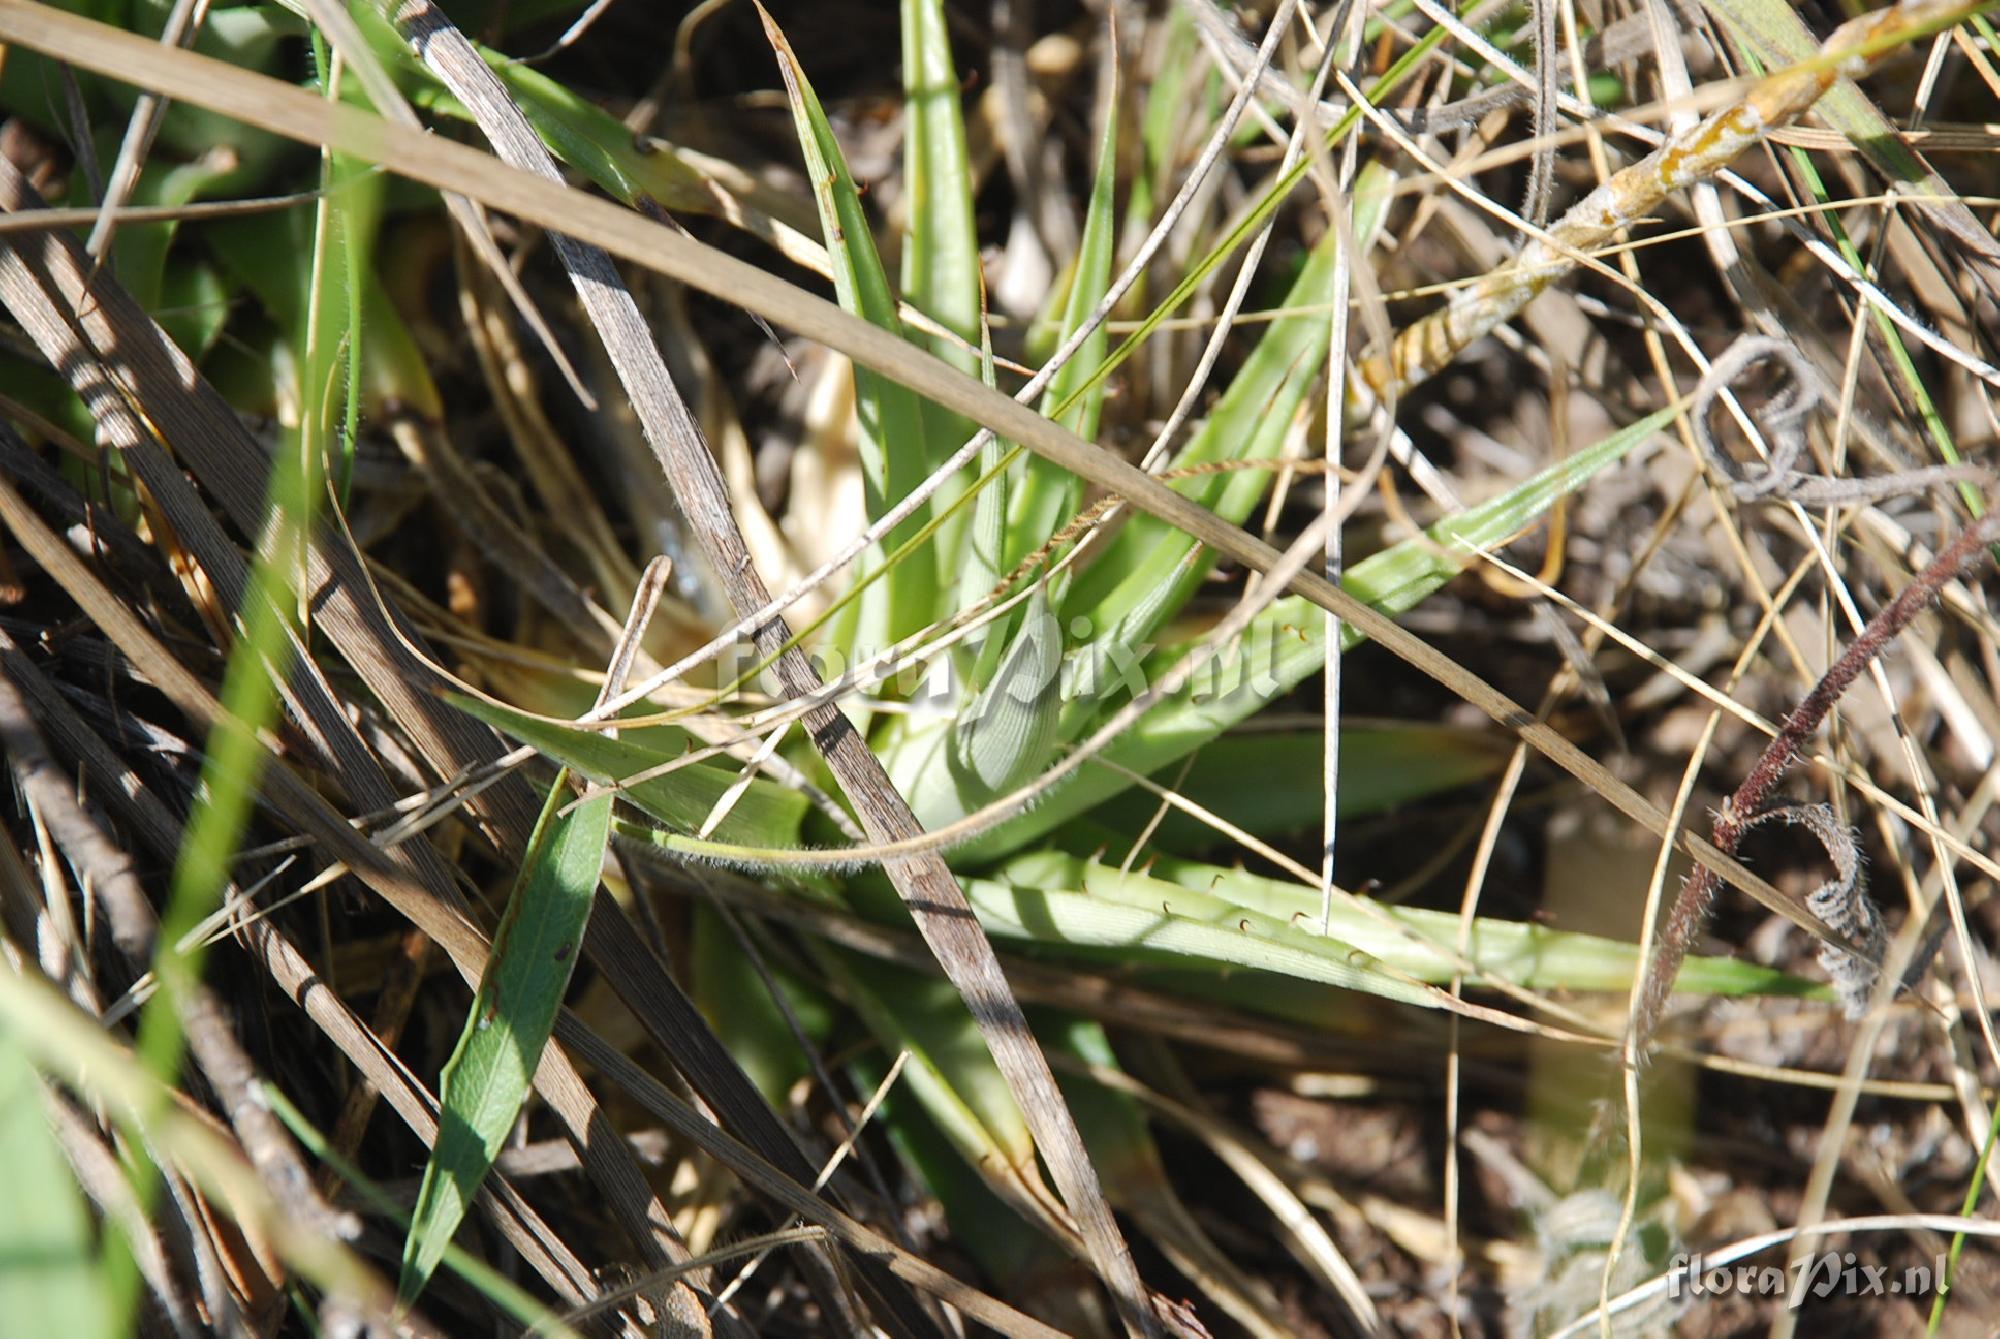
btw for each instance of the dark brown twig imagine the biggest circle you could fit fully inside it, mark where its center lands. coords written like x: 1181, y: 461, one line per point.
x: 1740, y: 811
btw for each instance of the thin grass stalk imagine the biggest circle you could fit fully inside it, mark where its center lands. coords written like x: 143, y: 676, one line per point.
x: 1625, y: 200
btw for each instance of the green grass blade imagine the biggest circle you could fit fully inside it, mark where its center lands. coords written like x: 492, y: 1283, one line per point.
x: 492, y: 1069
x: 258, y: 661
x: 48, y: 1274
x: 941, y: 274
x: 892, y: 423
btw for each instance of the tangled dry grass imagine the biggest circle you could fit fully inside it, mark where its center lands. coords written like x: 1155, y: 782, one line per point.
x: 1042, y: 667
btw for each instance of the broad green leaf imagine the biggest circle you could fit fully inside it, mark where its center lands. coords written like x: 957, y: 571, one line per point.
x: 892, y: 423
x: 1284, y: 644
x: 1228, y: 916
x: 48, y: 1273
x: 1267, y: 782
x: 765, y: 813
x: 492, y: 1069
x: 253, y: 37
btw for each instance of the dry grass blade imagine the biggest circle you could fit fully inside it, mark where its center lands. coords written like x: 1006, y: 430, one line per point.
x: 927, y: 886
x: 140, y: 385
x: 134, y: 927
x: 284, y: 110
x: 1630, y: 195
x: 293, y: 797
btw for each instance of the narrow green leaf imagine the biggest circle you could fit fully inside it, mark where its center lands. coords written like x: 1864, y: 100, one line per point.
x: 48, y: 1275
x: 1230, y: 916
x: 941, y: 276
x: 765, y: 814
x: 261, y: 252
x: 941, y: 273
x: 1283, y: 645
x: 1049, y: 495
x: 492, y: 1069
x: 892, y: 423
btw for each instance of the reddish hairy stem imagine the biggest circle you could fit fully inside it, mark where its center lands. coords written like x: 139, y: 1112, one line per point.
x: 1689, y: 915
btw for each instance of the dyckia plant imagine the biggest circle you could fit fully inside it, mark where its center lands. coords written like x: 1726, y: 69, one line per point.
x: 1021, y: 674
x: 990, y: 631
